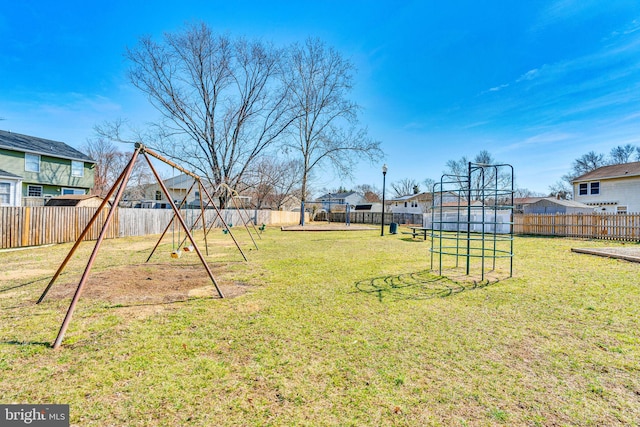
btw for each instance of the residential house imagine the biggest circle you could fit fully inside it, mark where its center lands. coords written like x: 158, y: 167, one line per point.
x: 411, y: 204
x: 10, y: 189
x: 610, y: 189
x: 178, y: 187
x: 338, y: 201
x: 520, y: 203
x: 181, y: 186
x: 552, y: 205
x: 33, y: 169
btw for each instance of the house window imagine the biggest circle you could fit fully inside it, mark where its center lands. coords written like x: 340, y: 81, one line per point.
x: 34, y: 190
x: 621, y: 209
x: 72, y: 191
x: 31, y: 162
x: 158, y: 195
x: 583, y: 189
x: 595, y: 188
x: 5, y: 193
x: 77, y: 168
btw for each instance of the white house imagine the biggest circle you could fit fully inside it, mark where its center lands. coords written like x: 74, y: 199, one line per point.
x: 10, y: 189
x: 411, y: 204
x: 610, y: 189
x: 339, y: 200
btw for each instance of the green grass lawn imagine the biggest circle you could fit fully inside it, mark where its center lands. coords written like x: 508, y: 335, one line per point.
x: 336, y: 328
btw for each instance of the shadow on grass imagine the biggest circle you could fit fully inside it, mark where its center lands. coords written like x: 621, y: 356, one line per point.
x: 10, y: 288
x: 417, y: 286
x: 27, y: 343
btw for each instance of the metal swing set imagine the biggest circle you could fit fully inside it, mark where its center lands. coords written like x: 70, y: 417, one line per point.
x: 116, y: 193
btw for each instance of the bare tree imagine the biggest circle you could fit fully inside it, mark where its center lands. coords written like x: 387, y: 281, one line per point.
x: 271, y: 181
x: 405, y: 187
x: 105, y: 155
x: 458, y: 171
x: 521, y: 192
x: 561, y: 190
x: 428, y: 184
x: 622, y: 154
x: 369, y: 193
x: 585, y: 164
x: 325, y: 131
x: 220, y: 99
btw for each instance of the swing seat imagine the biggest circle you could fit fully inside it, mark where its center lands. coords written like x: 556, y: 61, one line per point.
x: 262, y: 227
x: 176, y: 254
x: 188, y: 248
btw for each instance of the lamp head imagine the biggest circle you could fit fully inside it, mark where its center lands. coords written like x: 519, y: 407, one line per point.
x: 384, y: 169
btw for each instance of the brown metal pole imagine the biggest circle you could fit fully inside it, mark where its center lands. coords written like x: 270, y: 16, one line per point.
x: 204, y: 218
x: 167, y: 228
x: 224, y: 223
x: 184, y: 225
x: 241, y: 217
x: 167, y: 161
x: 103, y: 232
x: 84, y: 232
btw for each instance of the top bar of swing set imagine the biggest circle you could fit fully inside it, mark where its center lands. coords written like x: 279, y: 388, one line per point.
x: 152, y: 153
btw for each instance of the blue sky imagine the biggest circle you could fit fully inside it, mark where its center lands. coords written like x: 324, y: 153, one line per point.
x: 536, y: 83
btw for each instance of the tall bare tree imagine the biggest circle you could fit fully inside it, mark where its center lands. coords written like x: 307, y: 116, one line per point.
x: 105, y: 155
x: 369, y: 193
x: 585, y: 164
x: 271, y: 181
x: 405, y: 187
x: 458, y: 171
x: 325, y: 126
x: 110, y: 162
x: 622, y: 154
x: 220, y: 99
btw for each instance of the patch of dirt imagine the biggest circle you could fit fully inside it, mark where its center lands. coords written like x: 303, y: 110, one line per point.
x: 148, y: 284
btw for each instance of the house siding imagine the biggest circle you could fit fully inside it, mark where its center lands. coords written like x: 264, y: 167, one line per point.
x: 613, y: 193
x: 53, y: 171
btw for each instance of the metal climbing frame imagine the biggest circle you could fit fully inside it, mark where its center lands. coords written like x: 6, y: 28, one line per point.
x: 472, y: 219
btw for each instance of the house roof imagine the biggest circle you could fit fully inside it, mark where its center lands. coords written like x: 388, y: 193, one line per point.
x: 612, y: 171
x: 70, y: 199
x: 563, y: 202
x: 33, y: 144
x: 526, y: 200
x: 333, y: 196
x: 6, y: 174
x: 426, y: 196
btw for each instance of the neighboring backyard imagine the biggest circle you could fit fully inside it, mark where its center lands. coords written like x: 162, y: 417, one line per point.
x: 324, y: 328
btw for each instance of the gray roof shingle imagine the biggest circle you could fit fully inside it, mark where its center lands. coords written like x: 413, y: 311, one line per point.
x: 611, y: 171
x: 32, y: 144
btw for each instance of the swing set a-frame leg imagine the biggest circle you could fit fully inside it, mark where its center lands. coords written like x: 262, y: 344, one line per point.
x: 93, y: 219
x: 94, y: 253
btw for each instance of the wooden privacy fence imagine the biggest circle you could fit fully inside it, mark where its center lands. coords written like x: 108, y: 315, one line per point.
x: 42, y: 225
x: 592, y: 226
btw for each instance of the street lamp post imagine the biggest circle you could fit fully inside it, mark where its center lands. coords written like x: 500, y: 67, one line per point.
x: 384, y: 177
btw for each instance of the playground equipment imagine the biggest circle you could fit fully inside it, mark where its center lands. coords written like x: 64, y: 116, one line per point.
x: 116, y: 192
x: 472, y: 218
